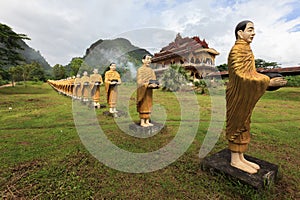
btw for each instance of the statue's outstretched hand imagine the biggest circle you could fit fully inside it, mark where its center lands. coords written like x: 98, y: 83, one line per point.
x: 277, y: 82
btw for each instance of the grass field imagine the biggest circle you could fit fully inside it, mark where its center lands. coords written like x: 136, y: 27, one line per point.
x: 42, y: 156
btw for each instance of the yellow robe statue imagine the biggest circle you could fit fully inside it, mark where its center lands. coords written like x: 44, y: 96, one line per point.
x: 144, y: 94
x: 70, y: 86
x: 111, y: 90
x: 77, y: 87
x: 244, y: 89
x: 85, y: 90
x: 95, y: 81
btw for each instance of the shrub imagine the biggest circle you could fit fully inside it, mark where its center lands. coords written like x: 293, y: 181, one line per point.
x: 174, y: 78
x: 293, y: 81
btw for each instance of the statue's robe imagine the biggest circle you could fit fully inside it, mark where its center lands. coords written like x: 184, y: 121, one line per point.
x: 70, y: 86
x: 244, y: 89
x: 111, y: 90
x: 85, y: 90
x: 95, y: 81
x: 144, y: 94
x: 77, y: 87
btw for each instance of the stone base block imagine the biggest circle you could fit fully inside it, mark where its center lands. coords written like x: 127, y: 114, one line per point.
x: 118, y: 114
x: 145, y: 132
x: 219, y: 163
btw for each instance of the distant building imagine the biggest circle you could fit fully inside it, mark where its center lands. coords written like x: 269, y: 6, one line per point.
x: 191, y: 53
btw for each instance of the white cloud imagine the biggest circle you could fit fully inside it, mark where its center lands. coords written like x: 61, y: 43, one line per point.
x: 64, y: 29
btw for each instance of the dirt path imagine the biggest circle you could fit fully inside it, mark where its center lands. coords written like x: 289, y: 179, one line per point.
x: 7, y: 85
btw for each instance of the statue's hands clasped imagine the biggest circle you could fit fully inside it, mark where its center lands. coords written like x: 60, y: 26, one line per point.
x: 114, y: 82
x: 153, y: 84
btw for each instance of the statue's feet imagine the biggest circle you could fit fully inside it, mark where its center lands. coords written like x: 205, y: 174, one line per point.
x: 251, y: 164
x: 144, y: 125
x: 147, y: 121
x: 238, y: 161
x: 244, y: 167
x: 150, y: 124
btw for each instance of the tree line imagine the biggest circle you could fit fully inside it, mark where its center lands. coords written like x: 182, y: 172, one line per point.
x: 14, y: 68
x: 259, y: 63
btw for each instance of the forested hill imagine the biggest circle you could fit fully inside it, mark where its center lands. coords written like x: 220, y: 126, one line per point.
x: 14, y: 51
x: 120, y: 51
x: 30, y: 55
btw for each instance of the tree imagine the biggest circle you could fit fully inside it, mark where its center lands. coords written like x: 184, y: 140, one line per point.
x: 260, y: 63
x: 75, y: 64
x: 25, y: 72
x: 37, y: 72
x: 4, y: 76
x: 19, y: 73
x: 13, y: 74
x: 174, y: 78
x: 85, y: 67
x: 223, y: 67
x: 59, y: 72
x: 9, y: 44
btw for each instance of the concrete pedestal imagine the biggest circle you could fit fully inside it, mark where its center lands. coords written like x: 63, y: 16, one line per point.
x: 220, y: 163
x: 145, y: 132
x: 118, y: 114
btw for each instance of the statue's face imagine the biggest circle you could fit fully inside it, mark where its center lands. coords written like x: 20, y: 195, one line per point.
x: 248, y: 33
x: 113, y: 67
x: 147, y: 60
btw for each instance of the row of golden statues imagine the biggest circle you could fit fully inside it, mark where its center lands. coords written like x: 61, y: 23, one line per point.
x: 87, y: 88
x: 244, y: 89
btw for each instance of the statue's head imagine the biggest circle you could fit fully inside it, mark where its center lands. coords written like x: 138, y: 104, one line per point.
x: 85, y: 73
x: 245, y: 31
x: 113, y: 66
x: 95, y: 71
x: 146, y: 59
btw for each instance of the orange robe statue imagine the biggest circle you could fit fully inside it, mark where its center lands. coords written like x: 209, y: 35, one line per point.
x: 145, y: 91
x: 77, y: 87
x: 244, y: 89
x: 95, y: 82
x: 112, y: 80
x: 85, y: 90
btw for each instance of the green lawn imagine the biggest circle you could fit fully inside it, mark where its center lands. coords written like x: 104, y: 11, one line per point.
x: 42, y: 156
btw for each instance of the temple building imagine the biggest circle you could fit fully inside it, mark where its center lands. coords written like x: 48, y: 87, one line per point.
x: 191, y: 53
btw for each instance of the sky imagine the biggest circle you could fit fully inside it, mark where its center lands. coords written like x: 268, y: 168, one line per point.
x: 63, y: 29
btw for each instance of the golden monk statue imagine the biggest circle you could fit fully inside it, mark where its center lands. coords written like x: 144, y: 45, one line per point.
x: 77, y: 87
x: 85, y: 90
x: 244, y: 89
x: 95, y: 82
x: 146, y: 81
x: 70, y: 86
x: 112, y: 80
